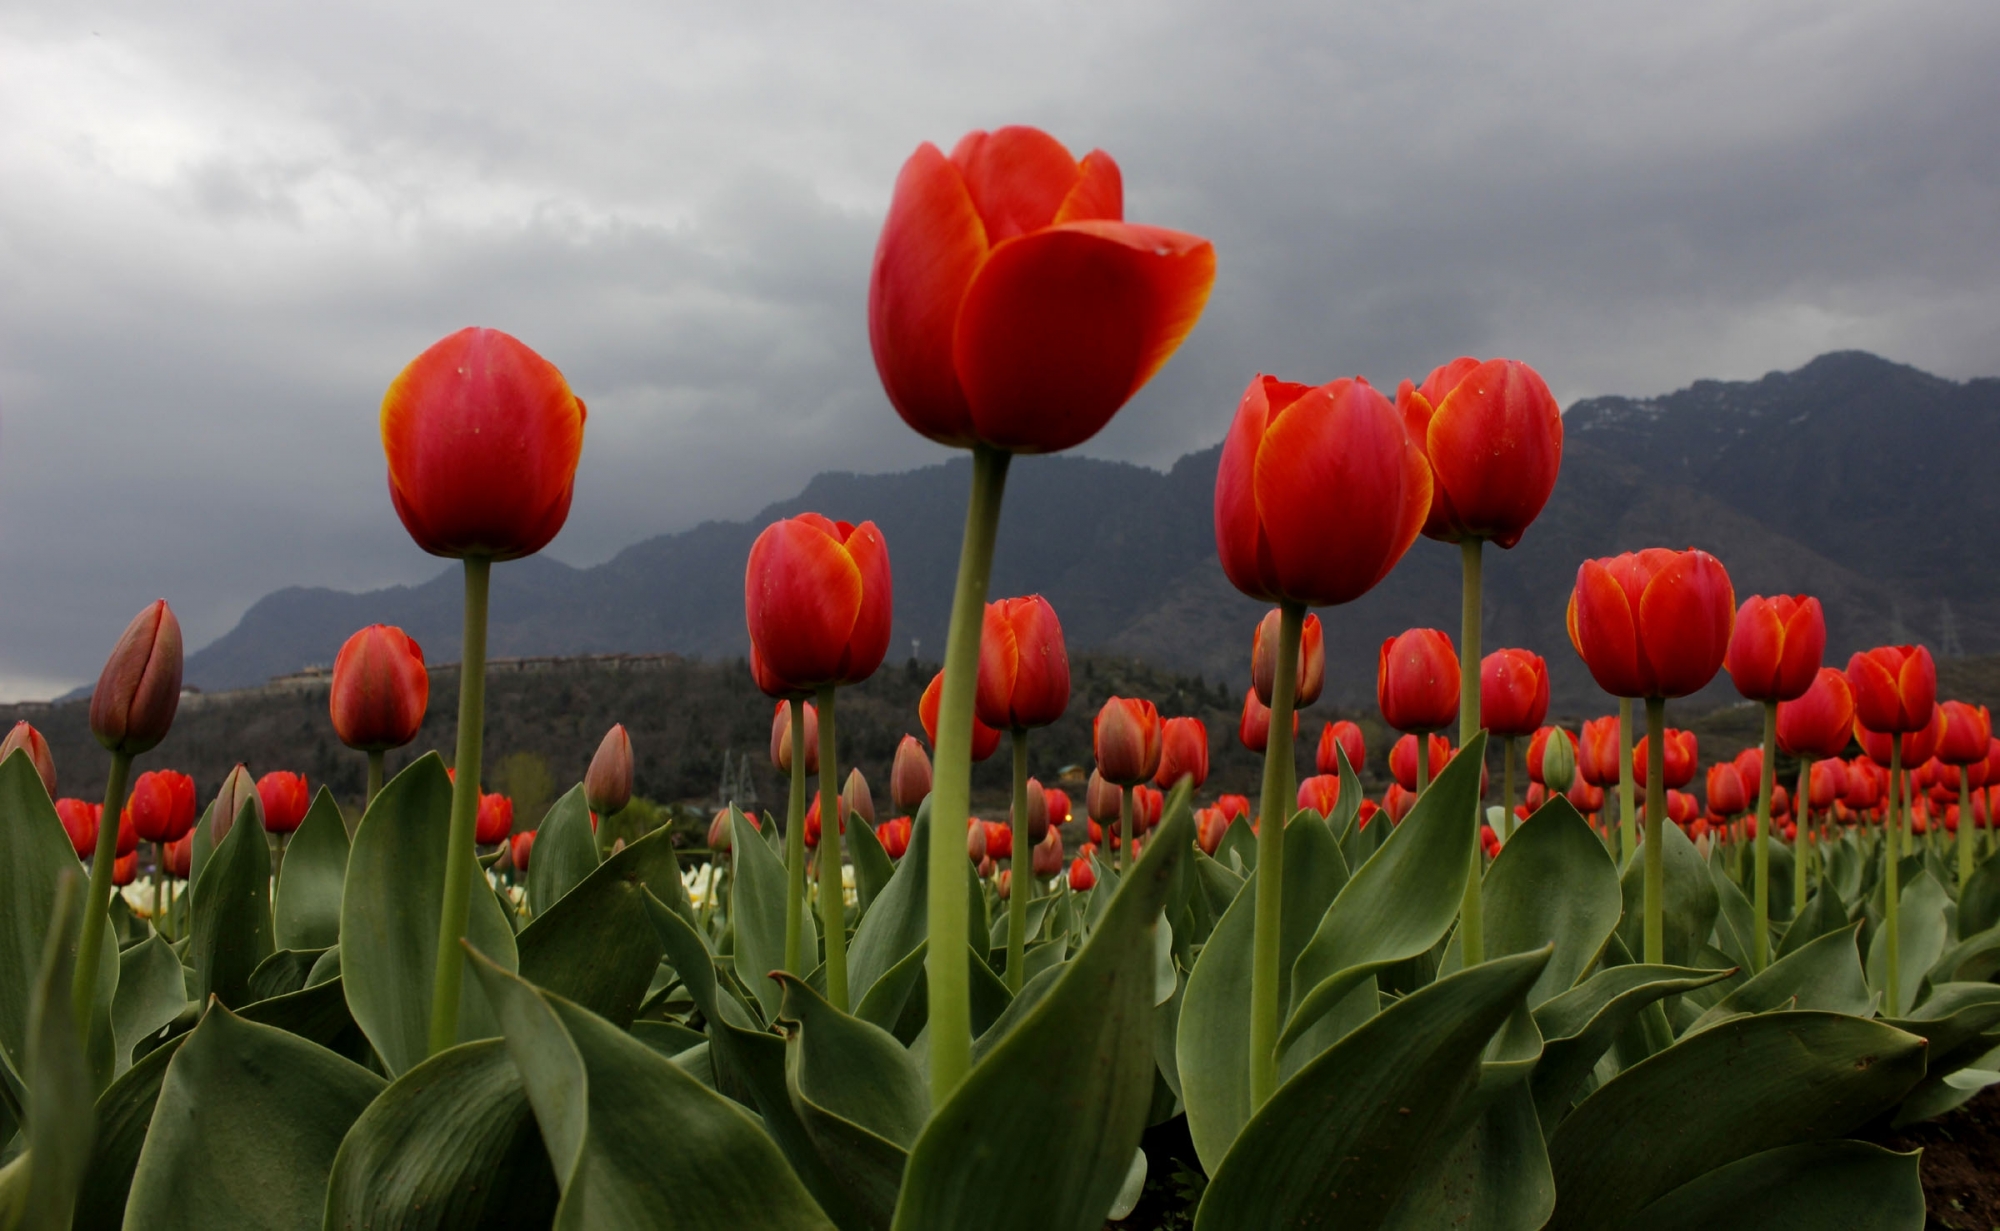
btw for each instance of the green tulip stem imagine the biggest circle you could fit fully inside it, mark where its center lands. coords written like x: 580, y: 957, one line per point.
x: 1507, y: 788
x: 795, y: 846
x: 1802, y: 806
x: 97, y: 904
x: 1125, y: 802
x: 1964, y: 825
x: 832, y: 892
x: 1656, y: 814
x: 951, y: 785
x: 1022, y: 873
x: 1760, y: 933
x: 375, y: 756
x: 1891, y: 874
x: 1628, y: 833
x: 1280, y: 790
x: 460, y: 866
x: 1423, y: 740
x: 1471, y: 919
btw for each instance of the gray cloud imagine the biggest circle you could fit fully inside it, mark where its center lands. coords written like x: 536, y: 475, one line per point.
x: 225, y: 228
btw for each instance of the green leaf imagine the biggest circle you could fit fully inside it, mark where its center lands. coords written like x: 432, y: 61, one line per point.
x: 1735, y: 919
x: 1553, y: 883
x: 231, y: 932
x: 451, y: 1143
x: 34, y: 853
x: 595, y: 946
x: 635, y: 1141
x: 124, y: 1112
x: 248, y: 1120
x: 1975, y: 959
x: 1825, y: 974
x: 1041, y: 1131
x: 309, y: 879
x: 1396, y: 906
x: 282, y: 973
x: 1689, y: 905
x: 1748, y: 1085
x: 1238, y: 848
x: 757, y: 912
x: 38, y: 1190
x: 1339, y: 1143
x: 1824, y: 913
x: 565, y: 851
x: 890, y: 994
x: 1580, y: 1025
x: 873, y: 869
x: 1808, y: 1187
x: 1923, y: 932
x: 198, y: 853
x: 1495, y: 1176
x: 1979, y: 898
x: 390, y: 912
x: 152, y: 991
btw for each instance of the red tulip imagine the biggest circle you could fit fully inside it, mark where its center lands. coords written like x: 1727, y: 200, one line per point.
x: 1366, y: 812
x: 1513, y: 692
x: 607, y: 785
x: 1681, y: 808
x: 1654, y: 623
x: 999, y: 840
x: 1728, y: 794
x: 1254, y: 730
x: 1148, y: 805
x: 1586, y: 797
x: 239, y: 790
x: 495, y: 820
x: 1319, y: 493
x: 1234, y: 806
x: 1493, y: 435
x: 1993, y: 760
x: 482, y: 436
x: 1538, y: 746
x: 985, y: 739
x: 1056, y: 801
x: 1023, y: 668
x: 138, y: 692
x: 1781, y: 805
x: 1750, y: 764
x: 1319, y: 794
x: 1968, y: 733
x: 1489, y: 842
x: 894, y: 837
x: 1681, y: 758
x: 1416, y: 681
x: 128, y: 832
x: 817, y: 598
x: 1827, y: 782
x: 1210, y: 826
x: 162, y: 805
x: 1403, y: 759
x: 380, y: 689
x: 909, y: 776
x: 1081, y: 875
x: 1126, y: 740
x: 718, y: 831
x: 1597, y: 752
x: 1311, y: 670
x: 1820, y: 722
x: 1183, y: 752
x: 1009, y: 303
x: 178, y: 858
x: 1102, y: 800
x: 520, y: 847
x: 812, y: 821
x: 79, y: 821
x: 1776, y: 647
x: 1347, y: 736
x: 781, y: 737
x: 859, y: 799
x: 1046, y: 858
x: 1397, y: 802
x: 285, y: 800
x: 1038, y: 813
x: 1895, y: 688
x: 125, y: 870
x: 1917, y: 746
x: 26, y: 739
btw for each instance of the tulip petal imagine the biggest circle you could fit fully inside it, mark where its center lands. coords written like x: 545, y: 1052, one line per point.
x: 1756, y: 648
x: 1916, y: 688
x: 868, y: 641
x: 1239, y: 531
x: 932, y: 243
x: 1805, y: 649
x: 1018, y: 178
x: 1099, y: 191
x: 1685, y: 617
x: 1061, y: 327
x: 1445, y: 377
x: 1605, y: 632
x: 1495, y: 444
x: 802, y: 595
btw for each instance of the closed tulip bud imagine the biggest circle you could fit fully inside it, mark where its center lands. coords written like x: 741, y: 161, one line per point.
x: 1319, y: 793
x: 894, y: 837
x: 812, y: 822
x: 1183, y: 752
x: 1513, y: 692
x: 1681, y: 758
x: 975, y: 839
x: 909, y: 776
x: 1011, y: 305
x: 128, y: 833
x: 1895, y: 688
x: 985, y: 739
x: 1234, y: 806
x: 285, y: 800
x: 859, y: 799
x: 1826, y: 782
x: 1319, y: 492
x: 133, y: 706
x: 1781, y: 803
x: 1917, y: 746
x: 1776, y: 647
x: 1403, y: 758
x: 999, y: 840
x: 238, y: 789
x: 1126, y: 739
x: 1148, y: 805
x: 1489, y: 842
x: 1023, y: 668
x: 1821, y: 721
x: 25, y: 739
x: 1493, y: 435
x: 1056, y: 803
x: 1968, y: 730
x: 1397, y: 802
x: 781, y: 738
x: 1586, y: 798
x: 1003, y: 884
x: 1081, y: 875
x: 1047, y: 856
x: 607, y: 785
x: 1102, y: 799
x: 1682, y: 808
x: 1311, y: 670
x: 163, y: 805
x: 1597, y: 752
x: 380, y: 689
x: 520, y: 847
x: 1416, y: 681
x: 1254, y: 731
x: 1038, y: 813
x: 482, y: 436
x: 79, y: 821
x: 125, y: 870
x: 718, y: 832
x: 178, y: 858
x: 495, y: 819
x: 1555, y: 767
x: 1347, y: 737
x: 1654, y: 623
x: 1727, y: 792
x: 817, y: 598
x: 1209, y: 827
x: 1750, y: 764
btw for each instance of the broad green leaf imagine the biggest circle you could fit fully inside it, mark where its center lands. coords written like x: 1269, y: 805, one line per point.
x: 873, y: 868
x: 1315, y: 873
x: 1735, y: 920
x: 1979, y: 898
x: 198, y: 853
x: 1396, y: 906
x: 1216, y: 883
x: 282, y: 973
x: 635, y: 1142
x: 1553, y: 883
x: 1790, y: 1078
x: 1824, y: 913
x: 34, y: 853
x: 1212, y: 1044
x: 1041, y: 1131
x: 451, y: 1143
x: 152, y: 991
x: 248, y: 1120
x: 890, y: 994
x: 565, y: 851
x: 1495, y: 1176
x: 1972, y: 960
x: 318, y: 1014
x: 309, y: 879
x: 1825, y: 974
x: 1238, y: 848
x: 390, y: 912
x: 124, y: 1112
x: 1812, y: 1186
x: 1923, y: 932
x: 231, y: 933
x: 1339, y: 1143
x: 595, y: 946
x: 1689, y: 907
x: 1580, y: 1025
x: 38, y: 1190
x: 1955, y: 1015
x: 757, y: 912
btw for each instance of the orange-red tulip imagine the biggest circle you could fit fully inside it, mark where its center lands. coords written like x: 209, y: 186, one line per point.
x: 133, y: 705
x: 1489, y: 842
x: 1597, y: 751
x: 495, y: 820
x: 1234, y: 806
x: 1038, y: 813
x: 812, y: 821
x: 1587, y: 797
x: 894, y: 837
x: 1102, y: 800
x: 1750, y: 764
x: 1819, y: 723
x: 985, y: 739
x: 1253, y: 731
x: 1209, y: 828
x: 285, y: 800
x: 1126, y: 740
x: 1895, y: 688
x: 1046, y: 858
x: 380, y: 689
x: 859, y: 799
x: 781, y: 737
x: 125, y: 870
x: 79, y: 821
x: 1023, y: 668
x: 1366, y: 812
x: 1681, y: 758
x: 1319, y: 493
x: 1681, y: 807
x: 1081, y: 875
x: 1183, y: 752
x: 1011, y: 305
x: 818, y: 598
x: 1968, y: 733
x: 178, y: 858
x: 1347, y: 737
x: 1727, y: 792
x: 607, y: 784
x: 1654, y: 623
x: 482, y: 437
x: 26, y: 739
x: 238, y: 790
x: 1513, y: 692
x: 1416, y: 681
x: 1776, y: 646
x: 1056, y: 801
x: 1319, y: 793
x: 1397, y: 802
x: 1311, y: 676
x: 1493, y: 435
x: 1917, y: 746
x: 909, y: 776
x: 999, y: 840
x: 162, y: 805
x: 520, y: 847
x: 1148, y: 805
x: 1827, y: 782
x: 128, y: 833
x: 1403, y: 758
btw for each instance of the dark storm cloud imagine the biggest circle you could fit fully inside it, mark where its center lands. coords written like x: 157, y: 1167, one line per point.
x: 224, y: 229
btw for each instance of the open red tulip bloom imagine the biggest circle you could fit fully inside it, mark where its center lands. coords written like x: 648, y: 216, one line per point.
x: 1023, y: 667
x: 817, y: 597
x: 1895, y: 687
x: 1819, y: 723
x: 1654, y: 623
x: 380, y: 689
x: 1513, y: 692
x: 1493, y: 435
x: 1776, y: 646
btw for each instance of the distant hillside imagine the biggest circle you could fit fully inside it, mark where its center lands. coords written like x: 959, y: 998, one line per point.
x: 1853, y: 478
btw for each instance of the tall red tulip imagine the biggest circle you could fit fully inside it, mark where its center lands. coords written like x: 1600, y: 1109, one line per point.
x: 1320, y: 793
x: 817, y: 598
x: 607, y: 785
x: 1910, y: 749
x: 1416, y: 681
x: 79, y: 820
x: 1826, y: 782
x: 1253, y: 730
x: 163, y: 805
x: 177, y: 858
x: 1727, y: 794
x: 380, y: 689
x: 1820, y: 722
x: 1513, y: 692
x: 1125, y: 738
x: 1597, y: 759
x: 1681, y: 757
x: 1058, y: 804
x: 26, y: 739
x: 1403, y: 758
x: 1312, y: 659
x: 909, y: 776
x: 520, y: 849
x: 1023, y: 667
x: 985, y: 739
x: 285, y: 800
x: 1895, y: 687
x: 1183, y: 752
x: 1493, y: 435
x: 1776, y: 646
x: 856, y: 795
x: 1348, y: 738
x: 894, y: 837
x: 138, y: 692
x: 1968, y: 732
x: 1654, y: 623
x: 1081, y: 875
x: 781, y: 737
x: 1037, y: 826
x: 496, y: 819
x: 128, y: 834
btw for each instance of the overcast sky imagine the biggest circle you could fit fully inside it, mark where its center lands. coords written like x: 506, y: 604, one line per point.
x: 225, y: 226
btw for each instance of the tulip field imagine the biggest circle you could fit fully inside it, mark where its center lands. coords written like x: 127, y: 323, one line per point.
x: 1576, y: 979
